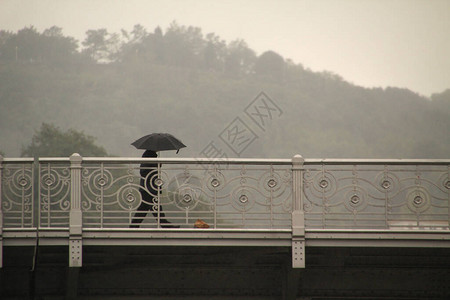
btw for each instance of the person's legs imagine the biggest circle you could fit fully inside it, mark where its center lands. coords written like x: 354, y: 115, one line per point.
x: 143, y: 208
x: 150, y: 203
x: 162, y: 216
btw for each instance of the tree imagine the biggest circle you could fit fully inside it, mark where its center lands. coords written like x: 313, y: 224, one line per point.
x: 28, y: 45
x: 441, y: 102
x: 183, y: 45
x: 214, y: 52
x: 25, y: 45
x: 134, y: 45
x: 158, y: 44
x: 51, y: 141
x: 270, y: 65
x: 4, y: 39
x: 444, y: 96
x: 239, y: 60
x: 58, y: 48
x: 101, y: 46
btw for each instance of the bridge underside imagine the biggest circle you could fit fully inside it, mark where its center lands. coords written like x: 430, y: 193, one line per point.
x: 218, y: 272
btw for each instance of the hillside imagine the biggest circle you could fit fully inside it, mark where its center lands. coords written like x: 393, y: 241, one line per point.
x: 195, y: 86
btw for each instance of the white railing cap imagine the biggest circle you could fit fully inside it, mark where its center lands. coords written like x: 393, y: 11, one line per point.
x: 331, y: 161
x: 18, y: 160
x: 251, y: 161
x: 192, y: 160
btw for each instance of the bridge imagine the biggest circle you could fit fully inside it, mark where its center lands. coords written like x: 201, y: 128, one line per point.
x: 278, y: 229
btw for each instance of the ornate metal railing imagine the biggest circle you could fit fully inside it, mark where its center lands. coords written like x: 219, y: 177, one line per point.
x: 232, y: 193
x: 16, y: 193
x: 377, y: 193
x: 54, y: 192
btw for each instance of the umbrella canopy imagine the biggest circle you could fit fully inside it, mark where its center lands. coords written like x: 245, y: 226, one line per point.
x: 158, y: 142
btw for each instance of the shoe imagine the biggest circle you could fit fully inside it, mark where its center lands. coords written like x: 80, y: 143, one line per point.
x: 165, y: 225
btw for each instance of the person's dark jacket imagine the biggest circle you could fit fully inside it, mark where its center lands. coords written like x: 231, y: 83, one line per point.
x: 149, y: 174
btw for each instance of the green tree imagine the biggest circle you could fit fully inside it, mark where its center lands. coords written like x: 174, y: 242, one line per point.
x: 28, y: 45
x: 132, y: 44
x: 101, y: 46
x: 23, y: 46
x: 214, y: 52
x: 57, y: 48
x: 183, y: 45
x: 239, y: 60
x: 270, y: 65
x: 441, y: 101
x: 157, y: 40
x: 51, y: 141
x: 4, y: 39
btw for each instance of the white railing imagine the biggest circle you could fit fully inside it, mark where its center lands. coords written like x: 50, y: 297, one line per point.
x: 229, y: 193
x: 54, y: 192
x: 371, y: 194
x: 16, y: 193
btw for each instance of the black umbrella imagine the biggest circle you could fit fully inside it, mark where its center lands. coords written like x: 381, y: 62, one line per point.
x: 158, y: 142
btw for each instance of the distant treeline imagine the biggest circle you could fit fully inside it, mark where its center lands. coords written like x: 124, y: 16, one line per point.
x: 118, y: 86
x: 179, y: 46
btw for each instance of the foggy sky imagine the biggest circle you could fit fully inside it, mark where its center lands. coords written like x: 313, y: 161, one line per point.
x: 373, y: 43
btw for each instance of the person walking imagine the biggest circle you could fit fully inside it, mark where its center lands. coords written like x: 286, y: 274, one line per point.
x: 149, y: 190
x: 150, y: 194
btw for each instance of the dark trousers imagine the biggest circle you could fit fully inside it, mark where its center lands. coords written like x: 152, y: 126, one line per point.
x: 149, y: 203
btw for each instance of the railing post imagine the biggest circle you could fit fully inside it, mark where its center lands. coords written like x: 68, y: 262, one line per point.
x: 75, y: 217
x: 1, y: 212
x: 298, y: 216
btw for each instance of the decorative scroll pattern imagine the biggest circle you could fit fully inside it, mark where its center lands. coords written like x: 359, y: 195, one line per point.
x: 17, y: 195
x: 377, y: 196
x: 54, y: 187
x: 110, y: 195
x: 233, y: 197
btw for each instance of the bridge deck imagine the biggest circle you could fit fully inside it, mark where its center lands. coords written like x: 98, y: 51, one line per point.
x: 232, y: 237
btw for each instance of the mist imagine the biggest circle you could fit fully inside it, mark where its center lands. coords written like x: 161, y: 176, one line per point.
x: 353, y: 79
x: 370, y: 43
